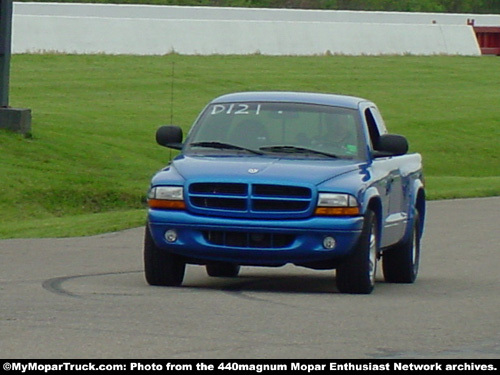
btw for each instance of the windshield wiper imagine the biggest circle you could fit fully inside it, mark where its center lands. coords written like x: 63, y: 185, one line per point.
x: 222, y: 145
x: 298, y: 150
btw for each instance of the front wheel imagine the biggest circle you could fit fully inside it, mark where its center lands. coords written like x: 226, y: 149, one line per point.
x: 400, y: 263
x: 161, y: 267
x: 357, y: 274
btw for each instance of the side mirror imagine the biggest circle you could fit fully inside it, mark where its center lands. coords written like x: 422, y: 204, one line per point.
x: 169, y: 136
x: 391, y: 145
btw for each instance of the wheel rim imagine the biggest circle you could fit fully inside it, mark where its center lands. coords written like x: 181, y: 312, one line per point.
x: 372, y: 255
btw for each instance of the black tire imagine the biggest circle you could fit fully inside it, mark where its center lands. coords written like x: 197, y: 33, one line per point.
x: 161, y: 267
x: 222, y: 269
x: 357, y: 274
x: 400, y: 263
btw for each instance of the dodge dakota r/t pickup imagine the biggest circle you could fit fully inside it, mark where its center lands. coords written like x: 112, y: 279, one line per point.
x: 271, y: 178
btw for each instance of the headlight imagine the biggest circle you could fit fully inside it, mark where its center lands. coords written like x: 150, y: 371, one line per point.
x: 166, y: 197
x: 330, y: 204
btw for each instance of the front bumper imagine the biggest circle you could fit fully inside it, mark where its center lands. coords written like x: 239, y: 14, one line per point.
x: 269, y: 242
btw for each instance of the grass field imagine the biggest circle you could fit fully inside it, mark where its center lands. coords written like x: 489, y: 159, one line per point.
x: 87, y: 166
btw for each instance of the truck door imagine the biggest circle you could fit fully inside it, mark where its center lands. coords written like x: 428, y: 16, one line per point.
x: 390, y: 184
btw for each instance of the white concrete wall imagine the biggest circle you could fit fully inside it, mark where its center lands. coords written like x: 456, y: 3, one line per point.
x: 156, y: 30
x: 232, y: 14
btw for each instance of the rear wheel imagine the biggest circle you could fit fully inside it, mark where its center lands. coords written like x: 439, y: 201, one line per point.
x: 357, y: 274
x: 222, y: 269
x: 400, y: 263
x: 161, y: 267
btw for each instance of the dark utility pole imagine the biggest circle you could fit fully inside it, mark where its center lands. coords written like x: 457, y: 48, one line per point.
x: 15, y: 119
x: 5, y: 46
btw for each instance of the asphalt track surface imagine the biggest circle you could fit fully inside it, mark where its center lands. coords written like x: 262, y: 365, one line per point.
x: 87, y: 298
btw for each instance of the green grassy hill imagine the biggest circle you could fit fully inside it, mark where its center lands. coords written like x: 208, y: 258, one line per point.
x: 87, y: 166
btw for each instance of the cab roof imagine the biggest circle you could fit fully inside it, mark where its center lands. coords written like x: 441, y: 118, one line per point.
x: 291, y: 97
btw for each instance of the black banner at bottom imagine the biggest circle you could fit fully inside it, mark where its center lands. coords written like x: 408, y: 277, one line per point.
x: 249, y: 366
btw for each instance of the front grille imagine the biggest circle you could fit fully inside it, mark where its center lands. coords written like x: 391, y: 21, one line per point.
x: 267, y: 205
x: 219, y: 188
x: 249, y: 239
x: 281, y: 191
x: 242, y: 199
x: 219, y: 203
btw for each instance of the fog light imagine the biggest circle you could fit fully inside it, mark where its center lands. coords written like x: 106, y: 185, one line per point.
x: 329, y: 243
x: 171, y: 235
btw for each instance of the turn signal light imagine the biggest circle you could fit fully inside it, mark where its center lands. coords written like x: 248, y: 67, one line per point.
x: 337, y: 211
x: 166, y: 204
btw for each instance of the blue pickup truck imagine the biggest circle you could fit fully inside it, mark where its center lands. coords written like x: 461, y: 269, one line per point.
x: 271, y: 178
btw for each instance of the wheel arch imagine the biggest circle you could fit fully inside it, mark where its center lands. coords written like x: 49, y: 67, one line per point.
x: 418, y: 202
x: 420, y: 206
x: 374, y: 204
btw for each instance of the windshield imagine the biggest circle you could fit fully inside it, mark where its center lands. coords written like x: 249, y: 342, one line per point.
x: 288, y: 129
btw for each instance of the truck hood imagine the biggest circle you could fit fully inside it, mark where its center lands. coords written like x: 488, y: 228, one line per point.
x: 257, y: 168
